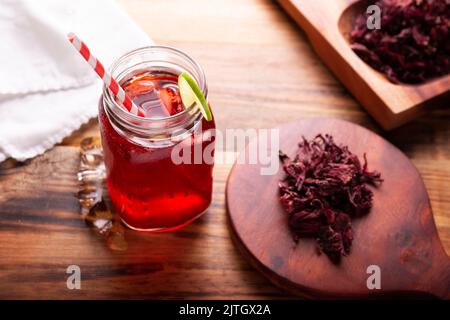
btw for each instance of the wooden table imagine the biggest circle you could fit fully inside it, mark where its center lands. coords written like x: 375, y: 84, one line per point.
x: 261, y: 73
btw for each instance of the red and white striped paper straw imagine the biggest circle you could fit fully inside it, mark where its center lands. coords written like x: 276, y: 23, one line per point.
x: 108, y: 80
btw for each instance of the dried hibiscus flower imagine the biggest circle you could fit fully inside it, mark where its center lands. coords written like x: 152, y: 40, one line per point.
x: 325, y: 186
x: 412, y: 44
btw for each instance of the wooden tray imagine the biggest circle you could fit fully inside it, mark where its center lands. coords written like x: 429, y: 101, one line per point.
x: 398, y: 235
x: 327, y: 24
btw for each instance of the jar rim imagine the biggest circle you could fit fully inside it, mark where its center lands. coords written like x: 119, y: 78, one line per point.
x: 134, y: 119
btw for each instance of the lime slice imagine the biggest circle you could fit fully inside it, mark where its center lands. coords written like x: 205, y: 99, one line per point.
x: 191, y: 94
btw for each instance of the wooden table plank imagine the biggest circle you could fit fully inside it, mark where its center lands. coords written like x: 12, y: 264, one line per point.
x: 42, y: 233
x: 261, y: 73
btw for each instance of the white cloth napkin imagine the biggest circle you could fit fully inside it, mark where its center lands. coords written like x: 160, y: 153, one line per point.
x: 47, y: 90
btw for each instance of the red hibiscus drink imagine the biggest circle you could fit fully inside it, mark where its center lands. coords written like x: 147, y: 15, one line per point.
x: 152, y: 190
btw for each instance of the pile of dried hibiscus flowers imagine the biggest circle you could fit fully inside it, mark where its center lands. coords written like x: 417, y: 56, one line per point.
x: 325, y: 186
x: 412, y: 44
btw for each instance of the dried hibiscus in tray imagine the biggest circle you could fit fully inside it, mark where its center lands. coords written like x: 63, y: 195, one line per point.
x: 412, y: 44
x: 325, y: 186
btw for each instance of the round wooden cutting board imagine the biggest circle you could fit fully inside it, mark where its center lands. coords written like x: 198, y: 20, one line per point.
x: 398, y: 235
